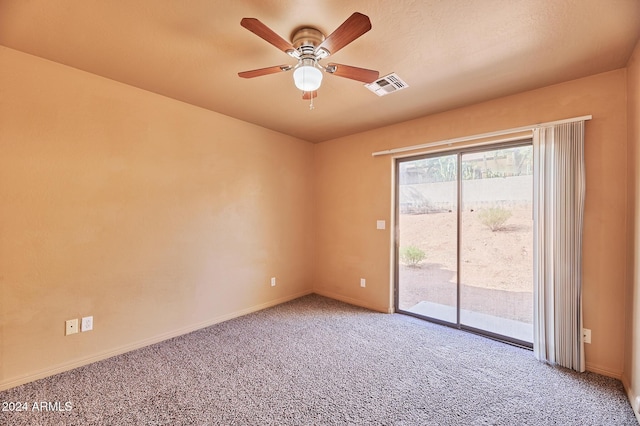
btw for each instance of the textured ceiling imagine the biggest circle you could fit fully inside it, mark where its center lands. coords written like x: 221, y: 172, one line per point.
x: 451, y: 53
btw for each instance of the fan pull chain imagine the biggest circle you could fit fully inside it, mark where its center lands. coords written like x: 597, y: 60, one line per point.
x: 311, y: 103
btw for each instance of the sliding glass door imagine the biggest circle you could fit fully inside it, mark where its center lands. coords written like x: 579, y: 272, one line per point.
x: 496, y: 242
x: 464, y: 247
x: 427, y: 254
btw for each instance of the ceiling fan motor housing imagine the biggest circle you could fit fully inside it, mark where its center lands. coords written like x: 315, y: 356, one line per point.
x: 305, y: 40
x: 307, y: 37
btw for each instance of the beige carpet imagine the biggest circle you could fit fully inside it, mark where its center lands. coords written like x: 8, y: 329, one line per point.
x: 315, y: 361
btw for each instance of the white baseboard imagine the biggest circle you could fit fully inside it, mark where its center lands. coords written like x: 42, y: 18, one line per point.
x: 634, y: 400
x: 66, y: 366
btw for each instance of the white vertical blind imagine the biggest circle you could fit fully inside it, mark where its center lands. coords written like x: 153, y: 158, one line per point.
x: 559, y: 192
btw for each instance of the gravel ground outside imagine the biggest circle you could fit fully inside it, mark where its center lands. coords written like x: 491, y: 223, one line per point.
x: 496, y: 267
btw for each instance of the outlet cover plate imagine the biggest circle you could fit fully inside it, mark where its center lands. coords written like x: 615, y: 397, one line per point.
x: 87, y: 323
x: 71, y: 326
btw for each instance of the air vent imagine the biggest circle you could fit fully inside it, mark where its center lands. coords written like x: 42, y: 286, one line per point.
x: 388, y: 84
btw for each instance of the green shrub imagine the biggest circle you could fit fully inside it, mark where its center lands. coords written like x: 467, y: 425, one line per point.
x: 494, y: 218
x: 411, y: 255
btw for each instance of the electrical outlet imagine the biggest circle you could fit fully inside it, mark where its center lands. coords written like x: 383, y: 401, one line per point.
x: 71, y: 326
x: 586, y: 335
x: 363, y: 282
x: 273, y: 281
x: 87, y: 323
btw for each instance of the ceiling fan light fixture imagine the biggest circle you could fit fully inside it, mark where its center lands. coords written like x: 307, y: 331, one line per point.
x: 309, y: 45
x: 307, y: 78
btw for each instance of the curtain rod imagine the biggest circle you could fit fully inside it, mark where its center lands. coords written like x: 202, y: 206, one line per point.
x: 480, y: 136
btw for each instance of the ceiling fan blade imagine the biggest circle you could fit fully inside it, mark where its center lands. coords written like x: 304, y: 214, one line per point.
x: 264, y: 71
x: 266, y: 33
x: 309, y: 95
x: 355, y: 25
x: 354, y: 73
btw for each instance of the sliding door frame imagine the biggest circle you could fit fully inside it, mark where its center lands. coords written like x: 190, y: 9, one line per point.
x: 526, y: 141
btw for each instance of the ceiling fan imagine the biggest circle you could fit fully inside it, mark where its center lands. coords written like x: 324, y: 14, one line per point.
x: 309, y: 46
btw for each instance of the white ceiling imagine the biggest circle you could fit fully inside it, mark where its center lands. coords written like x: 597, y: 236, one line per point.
x: 451, y: 52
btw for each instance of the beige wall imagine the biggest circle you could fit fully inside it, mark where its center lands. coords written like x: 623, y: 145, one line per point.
x: 157, y: 217
x: 631, y: 377
x: 154, y: 216
x: 353, y: 190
